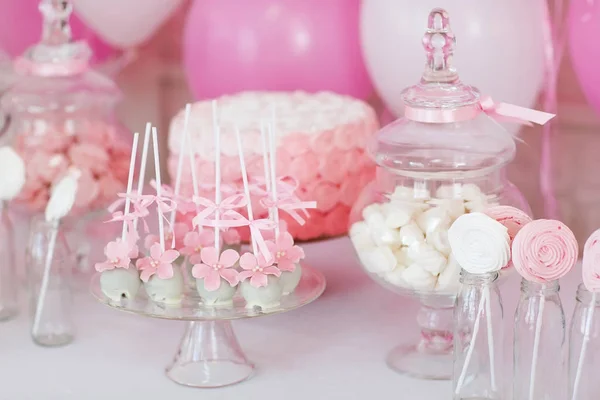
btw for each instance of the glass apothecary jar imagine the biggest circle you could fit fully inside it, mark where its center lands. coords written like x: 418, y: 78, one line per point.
x: 62, y: 114
x: 444, y: 158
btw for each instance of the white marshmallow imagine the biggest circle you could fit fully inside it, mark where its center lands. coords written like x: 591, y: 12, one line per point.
x: 361, y: 236
x: 370, y: 210
x: 402, y: 193
x: 418, y: 278
x: 378, y: 260
x: 449, y: 191
x: 402, y: 257
x: 439, y: 240
x: 448, y: 280
x: 471, y: 191
x: 395, y: 276
x: 478, y: 205
x: 454, y: 207
x: 426, y: 256
x: 410, y: 234
x: 397, y: 214
x: 434, y: 218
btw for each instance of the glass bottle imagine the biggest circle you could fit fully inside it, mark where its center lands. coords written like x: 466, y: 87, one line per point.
x: 428, y: 174
x: 8, y: 279
x: 50, y: 264
x: 585, y: 328
x: 539, y: 372
x: 478, y: 339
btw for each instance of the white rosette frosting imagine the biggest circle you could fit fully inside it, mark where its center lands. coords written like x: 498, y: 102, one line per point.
x: 479, y: 243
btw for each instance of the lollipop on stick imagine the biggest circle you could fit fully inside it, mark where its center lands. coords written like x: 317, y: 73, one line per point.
x: 140, y: 186
x: 129, y: 184
x: 61, y: 201
x: 543, y: 251
x: 480, y: 245
x: 161, y: 223
x: 246, y: 186
x: 591, y: 280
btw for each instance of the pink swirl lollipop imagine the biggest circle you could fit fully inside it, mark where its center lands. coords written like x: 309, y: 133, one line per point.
x: 544, y: 250
x: 512, y: 218
x: 591, y: 263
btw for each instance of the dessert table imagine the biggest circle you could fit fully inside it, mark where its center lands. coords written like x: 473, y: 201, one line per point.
x: 334, y: 348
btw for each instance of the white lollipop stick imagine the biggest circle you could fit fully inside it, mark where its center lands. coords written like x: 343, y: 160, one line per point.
x: 192, y: 166
x: 60, y: 204
x: 536, y: 347
x: 140, y: 187
x: 246, y: 186
x: 180, y: 161
x: 161, y: 223
x: 584, y: 345
x: 217, y: 135
x: 130, y: 183
x: 265, y: 154
x: 463, y: 373
x: 272, y: 159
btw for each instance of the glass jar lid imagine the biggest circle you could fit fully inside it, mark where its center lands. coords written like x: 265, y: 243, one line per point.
x: 443, y: 131
x: 55, y: 73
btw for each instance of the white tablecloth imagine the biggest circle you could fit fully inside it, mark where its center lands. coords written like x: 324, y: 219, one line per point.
x: 334, y: 348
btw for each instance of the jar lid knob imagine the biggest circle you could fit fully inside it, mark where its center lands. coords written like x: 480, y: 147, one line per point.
x: 439, y: 41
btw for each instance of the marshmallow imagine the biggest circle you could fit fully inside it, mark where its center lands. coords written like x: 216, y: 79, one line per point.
x: 402, y: 193
x: 434, y: 218
x: 402, y: 257
x: 371, y: 210
x: 426, y: 256
x: 418, y: 278
x: 448, y: 279
x: 454, y: 207
x: 378, y: 260
x: 361, y: 236
x: 449, y: 191
x: 395, y: 276
x: 478, y: 205
x: 410, y: 234
x: 397, y: 214
x: 471, y: 191
x: 439, y: 240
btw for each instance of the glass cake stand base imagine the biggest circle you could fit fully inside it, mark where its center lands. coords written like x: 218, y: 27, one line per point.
x: 209, y: 355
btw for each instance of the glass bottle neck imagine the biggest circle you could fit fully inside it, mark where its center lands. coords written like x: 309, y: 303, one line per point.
x: 541, y: 289
x: 585, y: 297
x: 467, y: 278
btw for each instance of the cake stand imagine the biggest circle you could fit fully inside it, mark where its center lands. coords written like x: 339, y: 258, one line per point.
x: 209, y: 355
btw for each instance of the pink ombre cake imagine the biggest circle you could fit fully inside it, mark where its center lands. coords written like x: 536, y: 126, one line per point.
x: 320, y: 142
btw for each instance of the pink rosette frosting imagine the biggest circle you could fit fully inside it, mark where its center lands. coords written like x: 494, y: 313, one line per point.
x: 591, y: 263
x: 544, y: 250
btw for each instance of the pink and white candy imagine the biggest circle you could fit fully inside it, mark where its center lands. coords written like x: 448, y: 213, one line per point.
x: 544, y: 250
x: 591, y: 263
x: 512, y: 218
x: 479, y: 243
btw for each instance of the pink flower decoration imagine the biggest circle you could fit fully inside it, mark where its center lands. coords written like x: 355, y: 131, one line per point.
x: 158, y: 263
x: 213, y: 268
x: 195, y: 242
x: 285, y: 253
x: 117, y: 256
x: 257, y: 269
x: 150, y: 241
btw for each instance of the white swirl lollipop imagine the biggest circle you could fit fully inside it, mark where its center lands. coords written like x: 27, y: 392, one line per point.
x: 479, y: 243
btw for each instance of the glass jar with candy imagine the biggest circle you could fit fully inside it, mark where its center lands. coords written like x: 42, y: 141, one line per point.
x: 62, y: 114
x: 444, y: 158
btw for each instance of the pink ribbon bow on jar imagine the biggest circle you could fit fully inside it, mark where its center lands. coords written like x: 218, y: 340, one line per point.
x: 498, y: 111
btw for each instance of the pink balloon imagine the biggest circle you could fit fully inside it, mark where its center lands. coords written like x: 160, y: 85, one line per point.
x: 21, y: 27
x: 584, y: 28
x: 312, y: 45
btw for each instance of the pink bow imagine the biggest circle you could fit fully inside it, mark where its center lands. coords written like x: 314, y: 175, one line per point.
x: 140, y: 203
x: 228, y: 217
x: 182, y: 203
x: 498, y: 111
x: 256, y: 226
x: 290, y: 204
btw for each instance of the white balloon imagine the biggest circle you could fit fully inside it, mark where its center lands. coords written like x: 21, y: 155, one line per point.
x: 125, y: 23
x: 499, y: 46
